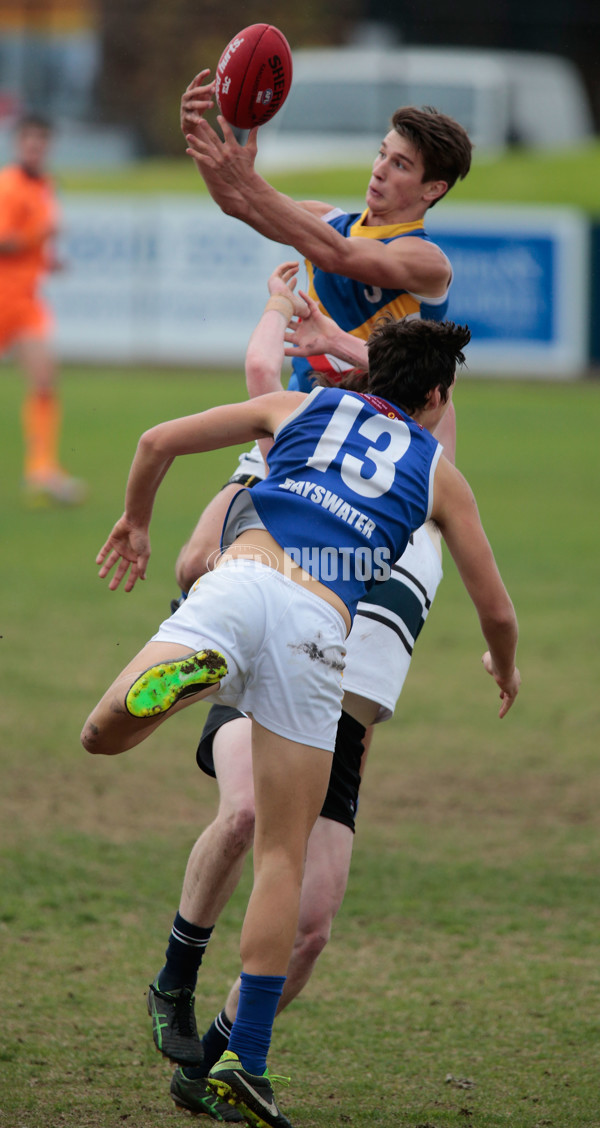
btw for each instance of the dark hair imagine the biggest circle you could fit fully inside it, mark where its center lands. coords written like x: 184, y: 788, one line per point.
x: 34, y: 121
x: 444, y: 145
x: 353, y: 379
x: 408, y: 359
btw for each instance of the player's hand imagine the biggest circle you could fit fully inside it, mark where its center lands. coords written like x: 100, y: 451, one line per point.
x: 225, y: 166
x: 224, y: 160
x: 196, y: 100
x: 314, y: 334
x: 207, y: 151
x: 128, y: 547
x: 283, y: 281
x: 509, y: 687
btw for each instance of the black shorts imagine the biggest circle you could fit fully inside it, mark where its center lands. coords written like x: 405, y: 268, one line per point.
x: 239, y: 479
x: 341, y: 801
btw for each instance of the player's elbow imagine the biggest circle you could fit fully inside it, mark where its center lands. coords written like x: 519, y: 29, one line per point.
x: 261, y: 376
x: 147, y: 442
x: 152, y: 443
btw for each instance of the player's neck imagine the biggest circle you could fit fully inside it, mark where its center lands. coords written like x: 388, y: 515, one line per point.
x: 32, y: 173
x: 393, y: 218
x: 430, y: 416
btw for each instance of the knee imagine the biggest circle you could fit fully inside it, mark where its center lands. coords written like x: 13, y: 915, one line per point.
x: 238, y: 829
x: 311, y: 939
x: 95, y: 742
x: 192, y: 562
x: 90, y: 739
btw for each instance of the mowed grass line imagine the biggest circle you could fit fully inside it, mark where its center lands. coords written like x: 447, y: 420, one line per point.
x: 461, y: 982
x: 518, y: 176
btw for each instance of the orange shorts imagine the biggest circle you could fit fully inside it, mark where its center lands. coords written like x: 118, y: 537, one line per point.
x: 23, y: 316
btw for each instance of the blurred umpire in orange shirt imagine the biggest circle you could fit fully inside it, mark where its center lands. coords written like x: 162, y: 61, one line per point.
x: 28, y: 225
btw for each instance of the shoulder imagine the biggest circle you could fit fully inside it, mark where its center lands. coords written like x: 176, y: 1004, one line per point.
x: 13, y: 195
x: 286, y: 407
x: 10, y: 177
x: 452, y: 492
x: 279, y: 401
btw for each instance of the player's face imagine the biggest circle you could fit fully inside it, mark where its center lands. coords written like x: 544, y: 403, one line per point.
x: 397, y: 192
x: 32, y: 149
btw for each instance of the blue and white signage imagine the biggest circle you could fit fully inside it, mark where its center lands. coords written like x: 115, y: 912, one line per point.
x: 163, y: 279
x: 521, y: 284
x: 171, y: 279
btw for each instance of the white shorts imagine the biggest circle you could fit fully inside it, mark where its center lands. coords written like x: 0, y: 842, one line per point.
x: 388, y: 621
x: 250, y: 468
x: 383, y: 634
x: 284, y: 648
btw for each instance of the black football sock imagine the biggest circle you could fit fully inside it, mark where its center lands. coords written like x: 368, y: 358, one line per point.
x: 216, y: 1039
x: 187, y: 944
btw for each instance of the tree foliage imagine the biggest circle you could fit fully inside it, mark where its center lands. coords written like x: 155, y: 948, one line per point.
x: 152, y: 49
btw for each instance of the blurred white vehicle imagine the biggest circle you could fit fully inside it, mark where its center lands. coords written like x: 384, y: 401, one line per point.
x: 341, y: 101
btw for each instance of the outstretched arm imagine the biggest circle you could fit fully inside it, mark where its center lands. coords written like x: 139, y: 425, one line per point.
x: 227, y: 168
x: 232, y: 180
x: 265, y: 353
x: 455, y: 511
x: 226, y: 191
x: 128, y: 546
x: 226, y: 185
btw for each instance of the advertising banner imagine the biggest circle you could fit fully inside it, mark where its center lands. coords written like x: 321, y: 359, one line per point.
x: 169, y: 279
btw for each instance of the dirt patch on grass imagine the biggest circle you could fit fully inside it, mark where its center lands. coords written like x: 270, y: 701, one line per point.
x: 149, y: 790
x: 531, y: 797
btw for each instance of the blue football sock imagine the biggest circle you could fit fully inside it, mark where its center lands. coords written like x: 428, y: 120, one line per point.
x: 251, y: 1034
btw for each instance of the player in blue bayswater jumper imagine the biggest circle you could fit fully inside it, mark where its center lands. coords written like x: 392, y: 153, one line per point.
x: 350, y: 476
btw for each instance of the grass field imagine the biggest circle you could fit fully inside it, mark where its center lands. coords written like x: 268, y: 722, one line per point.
x: 568, y: 176
x: 461, y: 983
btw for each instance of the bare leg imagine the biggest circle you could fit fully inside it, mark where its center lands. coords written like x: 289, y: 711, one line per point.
x: 323, y: 887
x: 290, y: 782
x: 46, y: 482
x: 216, y: 861
x: 213, y: 871
x: 325, y: 879
x: 38, y: 363
x: 110, y: 728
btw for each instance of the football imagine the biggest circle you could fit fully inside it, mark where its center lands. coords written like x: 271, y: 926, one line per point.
x: 253, y: 76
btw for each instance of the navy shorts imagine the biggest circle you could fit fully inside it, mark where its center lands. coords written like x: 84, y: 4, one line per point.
x: 341, y: 801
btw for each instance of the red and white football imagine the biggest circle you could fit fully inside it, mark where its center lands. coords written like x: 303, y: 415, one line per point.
x: 253, y: 76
